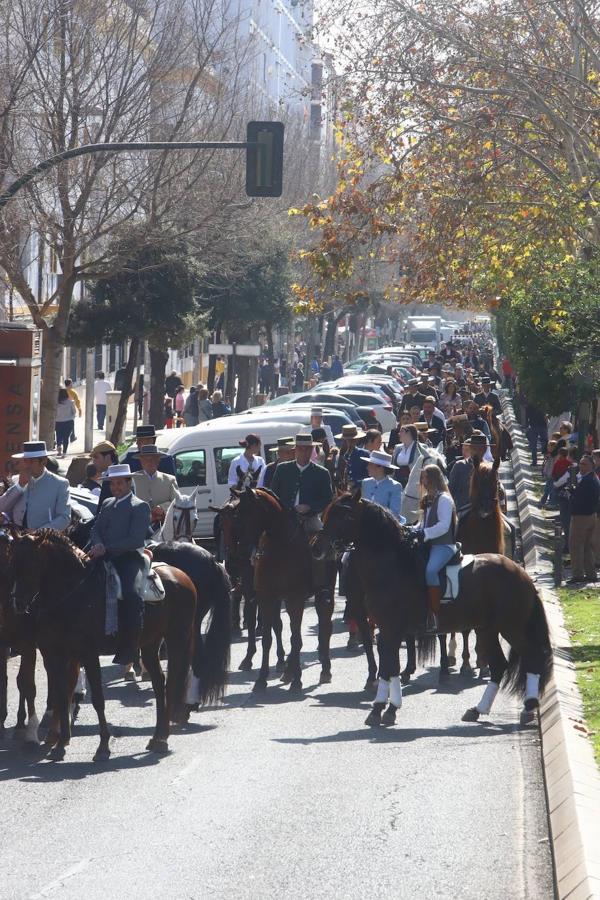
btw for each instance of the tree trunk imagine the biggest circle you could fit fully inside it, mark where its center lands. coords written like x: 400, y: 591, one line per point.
x: 270, y: 344
x: 52, y: 353
x: 212, y: 363
x: 243, y: 376
x: 158, y: 365
x: 132, y: 360
x: 330, y: 338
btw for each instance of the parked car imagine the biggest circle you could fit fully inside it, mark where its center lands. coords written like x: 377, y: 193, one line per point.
x: 372, y: 400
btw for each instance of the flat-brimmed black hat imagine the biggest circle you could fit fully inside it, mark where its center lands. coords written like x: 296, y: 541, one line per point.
x: 413, y: 382
x: 145, y: 431
x: 150, y: 450
x: 304, y: 440
x: 478, y: 439
x: 284, y: 443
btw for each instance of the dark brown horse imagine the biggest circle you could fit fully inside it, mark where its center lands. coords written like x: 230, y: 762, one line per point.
x: 497, y: 598
x: 282, y: 572
x: 67, y: 596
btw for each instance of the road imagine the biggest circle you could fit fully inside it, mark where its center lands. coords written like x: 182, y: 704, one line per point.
x: 275, y: 797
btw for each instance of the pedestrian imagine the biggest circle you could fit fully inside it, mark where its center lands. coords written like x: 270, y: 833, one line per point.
x: 326, y: 372
x: 219, y: 407
x: 298, y: 379
x: 205, y: 408
x: 172, y: 382
x: 101, y: 388
x: 246, y: 468
x: 562, y: 478
x: 74, y: 396
x: 179, y: 405
x: 438, y: 527
x: 548, y: 494
x: 585, y: 497
x: 337, y: 369
x: 537, y: 430
x: 450, y: 401
x: 190, y: 410
x: 65, y: 419
x: 168, y: 412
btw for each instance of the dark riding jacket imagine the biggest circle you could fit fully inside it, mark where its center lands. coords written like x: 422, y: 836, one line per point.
x: 311, y: 485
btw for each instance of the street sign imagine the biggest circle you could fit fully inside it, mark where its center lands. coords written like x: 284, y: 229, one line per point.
x: 240, y: 349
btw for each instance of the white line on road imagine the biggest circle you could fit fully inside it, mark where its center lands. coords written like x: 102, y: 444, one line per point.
x: 59, y: 882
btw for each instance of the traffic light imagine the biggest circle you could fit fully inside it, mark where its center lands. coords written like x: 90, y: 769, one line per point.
x: 264, y: 159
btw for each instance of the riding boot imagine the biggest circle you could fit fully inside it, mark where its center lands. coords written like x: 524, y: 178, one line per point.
x: 434, y: 593
x: 128, y: 646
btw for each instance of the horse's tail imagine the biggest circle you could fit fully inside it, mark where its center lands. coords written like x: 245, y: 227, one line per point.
x: 426, y: 647
x: 214, y: 660
x: 538, y: 658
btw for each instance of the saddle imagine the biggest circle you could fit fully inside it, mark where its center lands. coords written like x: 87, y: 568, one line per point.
x: 451, y: 573
x: 153, y: 591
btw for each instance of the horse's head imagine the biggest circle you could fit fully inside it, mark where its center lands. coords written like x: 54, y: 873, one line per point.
x: 340, y: 526
x: 25, y: 572
x: 184, y: 516
x: 484, y: 488
x: 41, y: 560
x: 256, y: 510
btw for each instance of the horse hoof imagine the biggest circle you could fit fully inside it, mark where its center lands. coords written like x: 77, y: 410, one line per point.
x: 471, y: 715
x: 158, y: 745
x: 374, y: 718
x: 371, y: 685
x: 296, y: 686
x: 444, y: 676
x: 75, y: 713
x: 280, y: 667
x: 259, y: 685
x: 137, y: 668
x: 325, y: 677
x: 57, y: 754
x: 466, y: 671
x: 129, y: 675
x: 286, y: 677
x: 405, y: 677
x: 46, y: 718
x: 484, y: 672
x: 245, y: 665
x: 451, y: 660
x: 101, y: 754
x: 389, y: 716
x: 146, y: 676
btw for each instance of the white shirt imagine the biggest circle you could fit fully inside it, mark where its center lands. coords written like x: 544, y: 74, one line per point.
x: 444, y: 511
x: 100, y: 390
x: 242, y: 462
x: 402, y: 454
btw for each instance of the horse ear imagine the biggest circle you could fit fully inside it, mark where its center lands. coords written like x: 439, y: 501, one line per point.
x: 192, y: 496
x: 235, y: 492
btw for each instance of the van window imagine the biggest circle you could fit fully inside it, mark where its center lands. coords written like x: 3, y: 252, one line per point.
x: 223, y: 457
x: 191, y: 468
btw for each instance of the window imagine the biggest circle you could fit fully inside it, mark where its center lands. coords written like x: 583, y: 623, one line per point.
x: 223, y: 457
x: 191, y: 468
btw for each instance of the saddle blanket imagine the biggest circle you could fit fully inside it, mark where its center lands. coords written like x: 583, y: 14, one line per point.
x: 450, y: 578
x: 153, y: 592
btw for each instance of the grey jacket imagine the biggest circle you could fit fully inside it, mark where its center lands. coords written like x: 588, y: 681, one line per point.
x: 12, y: 503
x: 122, y: 527
x: 459, y: 483
x: 47, y: 502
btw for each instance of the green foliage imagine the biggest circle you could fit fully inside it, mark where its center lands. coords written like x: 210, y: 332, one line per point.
x: 149, y: 291
x: 550, y: 331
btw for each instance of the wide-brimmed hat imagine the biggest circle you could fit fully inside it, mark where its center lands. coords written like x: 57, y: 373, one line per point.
x: 103, y: 447
x: 380, y: 458
x: 350, y: 432
x: 32, y: 450
x: 304, y: 440
x: 120, y: 470
x: 478, y: 439
x: 251, y: 440
x: 284, y: 443
x: 413, y: 382
x: 145, y: 431
x: 316, y: 411
x: 150, y: 450
x: 423, y: 428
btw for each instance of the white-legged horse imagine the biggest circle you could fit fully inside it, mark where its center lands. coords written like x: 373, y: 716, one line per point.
x: 180, y: 520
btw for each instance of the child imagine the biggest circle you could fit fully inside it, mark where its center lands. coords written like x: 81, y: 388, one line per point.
x: 547, y: 469
x: 168, y: 412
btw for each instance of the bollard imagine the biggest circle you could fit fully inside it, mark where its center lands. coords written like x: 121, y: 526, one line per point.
x: 557, y: 567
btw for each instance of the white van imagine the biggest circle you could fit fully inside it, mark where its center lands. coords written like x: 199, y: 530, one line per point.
x: 203, y: 455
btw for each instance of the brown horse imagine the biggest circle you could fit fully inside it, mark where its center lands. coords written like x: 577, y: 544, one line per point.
x: 66, y: 594
x: 17, y: 632
x: 282, y: 572
x: 501, y: 442
x: 497, y: 598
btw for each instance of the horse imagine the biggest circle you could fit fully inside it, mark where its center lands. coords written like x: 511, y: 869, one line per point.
x: 282, y: 571
x: 501, y: 442
x: 180, y: 519
x: 238, y: 564
x: 66, y: 594
x: 17, y: 633
x: 497, y: 598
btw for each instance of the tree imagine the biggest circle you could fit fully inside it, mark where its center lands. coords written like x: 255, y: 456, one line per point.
x: 150, y: 294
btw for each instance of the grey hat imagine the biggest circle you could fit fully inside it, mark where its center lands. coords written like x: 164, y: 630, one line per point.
x: 150, y: 450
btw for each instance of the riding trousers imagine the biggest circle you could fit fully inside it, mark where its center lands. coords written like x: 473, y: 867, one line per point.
x: 131, y: 568
x: 439, y: 556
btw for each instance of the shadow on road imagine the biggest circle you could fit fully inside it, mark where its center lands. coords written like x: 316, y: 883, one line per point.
x: 398, y: 735
x: 35, y: 768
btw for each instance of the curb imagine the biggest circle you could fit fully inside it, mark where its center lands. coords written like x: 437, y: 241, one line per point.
x: 571, y: 775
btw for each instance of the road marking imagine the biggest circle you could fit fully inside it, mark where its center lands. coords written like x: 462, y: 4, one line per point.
x: 59, y: 882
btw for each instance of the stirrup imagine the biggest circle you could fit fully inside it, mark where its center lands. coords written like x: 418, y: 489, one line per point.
x: 431, y: 623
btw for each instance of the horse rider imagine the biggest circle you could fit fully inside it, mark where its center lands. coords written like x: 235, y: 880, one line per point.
x: 357, y: 464
x: 379, y: 487
x: 43, y: 496
x: 405, y: 453
x: 304, y: 487
x: 118, y: 536
x: 438, y: 528
x: 316, y: 422
x: 488, y: 397
x: 475, y: 420
x: 459, y: 480
x: 285, y: 453
x: 412, y: 396
x: 247, y: 467
x: 340, y: 459
x: 435, y: 420
x: 145, y: 435
x: 155, y: 488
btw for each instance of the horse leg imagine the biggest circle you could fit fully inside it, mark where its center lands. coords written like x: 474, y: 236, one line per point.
x: 236, y: 627
x: 94, y: 677
x: 411, y: 659
x: 497, y: 667
x: 444, y: 664
x: 250, y: 615
x: 367, y: 641
x: 278, y: 632
x: 481, y: 659
x: 295, y: 608
x: 452, y: 649
x: 63, y: 690
x: 159, y: 742
x: 27, y: 692
x: 267, y: 606
x: 383, y: 685
x: 389, y: 716
x: 3, y: 687
x: 466, y: 670
x: 324, y: 608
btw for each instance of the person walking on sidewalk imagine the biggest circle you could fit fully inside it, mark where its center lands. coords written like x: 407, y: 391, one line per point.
x: 74, y: 396
x: 101, y: 388
x: 64, y: 422
x: 584, y: 504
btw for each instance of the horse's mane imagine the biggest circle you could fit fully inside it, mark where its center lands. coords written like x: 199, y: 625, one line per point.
x: 270, y: 497
x: 65, y: 548
x: 380, y: 530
